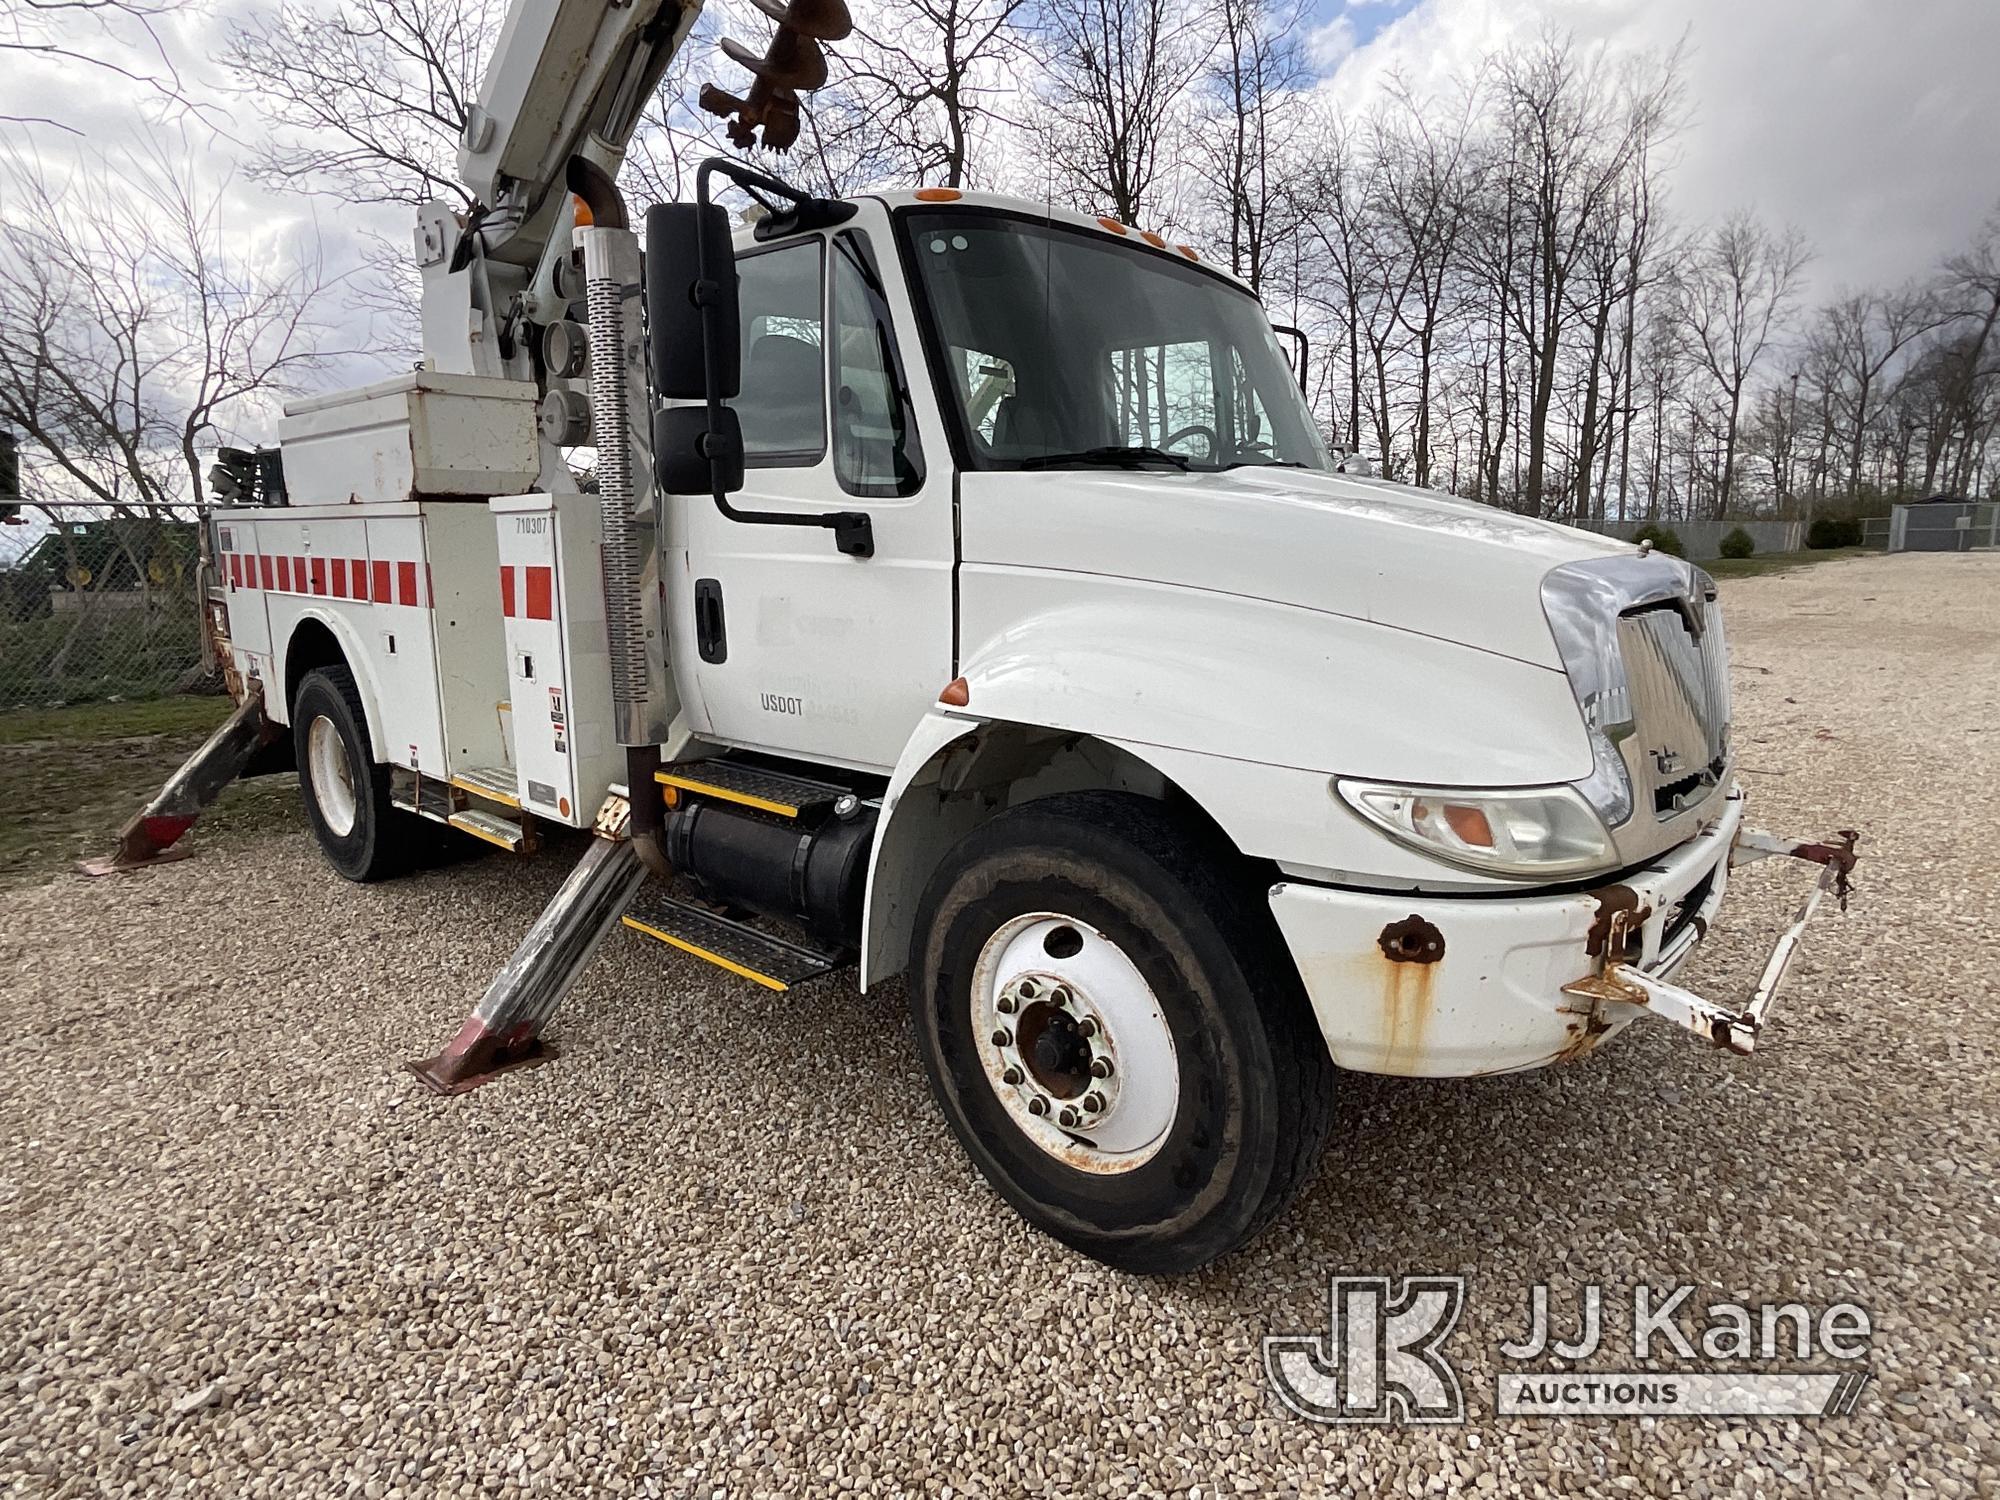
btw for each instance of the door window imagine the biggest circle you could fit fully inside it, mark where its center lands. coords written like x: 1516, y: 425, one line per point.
x: 875, y: 445
x: 783, y: 399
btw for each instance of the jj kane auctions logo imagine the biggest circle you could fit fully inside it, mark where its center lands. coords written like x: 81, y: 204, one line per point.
x: 1382, y: 1358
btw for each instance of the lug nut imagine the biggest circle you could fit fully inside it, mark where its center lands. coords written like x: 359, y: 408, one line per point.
x: 1038, y: 1105
x: 1006, y: 1005
x: 1002, y: 1037
x: 1101, y: 1068
x: 1011, y: 1075
x: 1029, y: 989
x: 1059, y: 995
x: 1086, y: 1026
x: 1069, y: 1119
x: 1093, y: 1101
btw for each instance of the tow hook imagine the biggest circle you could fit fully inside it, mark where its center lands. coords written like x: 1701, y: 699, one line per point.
x: 1735, y: 1028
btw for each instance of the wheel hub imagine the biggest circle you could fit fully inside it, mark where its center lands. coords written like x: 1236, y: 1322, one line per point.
x: 1074, y: 1043
x: 332, y: 777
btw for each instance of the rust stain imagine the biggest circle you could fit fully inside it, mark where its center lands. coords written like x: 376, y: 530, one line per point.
x: 1615, y: 931
x: 1411, y: 949
x: 1411, y: 941
x: 1584, y: 1035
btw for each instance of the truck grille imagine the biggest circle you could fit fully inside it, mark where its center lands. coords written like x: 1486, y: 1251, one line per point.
x: 1678, y: 678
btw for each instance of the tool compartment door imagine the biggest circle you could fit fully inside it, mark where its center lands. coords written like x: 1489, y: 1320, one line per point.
x: 558, y: 660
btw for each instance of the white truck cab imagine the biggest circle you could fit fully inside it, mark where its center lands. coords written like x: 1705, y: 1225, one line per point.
x: 966, y: 593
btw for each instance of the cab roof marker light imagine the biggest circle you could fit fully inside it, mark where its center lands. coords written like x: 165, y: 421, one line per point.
x: 938, y: 195
x: 1158, y: 242
x: 1114, y: 226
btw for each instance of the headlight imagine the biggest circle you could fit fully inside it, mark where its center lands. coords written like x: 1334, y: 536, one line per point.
x: 1536, y: 831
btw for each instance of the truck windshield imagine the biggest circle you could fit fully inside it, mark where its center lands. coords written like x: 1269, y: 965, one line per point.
x: 1065, y: 348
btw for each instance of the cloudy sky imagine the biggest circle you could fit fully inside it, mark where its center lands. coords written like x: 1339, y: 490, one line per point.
x: 1872, y: 125
x: 1868, y: 124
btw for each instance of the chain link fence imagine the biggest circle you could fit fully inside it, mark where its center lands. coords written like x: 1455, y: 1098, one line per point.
x: 98, y: 605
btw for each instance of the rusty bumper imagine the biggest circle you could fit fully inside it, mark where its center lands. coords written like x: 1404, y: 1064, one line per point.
x: 1620, y: 983
x: 1440, y: 986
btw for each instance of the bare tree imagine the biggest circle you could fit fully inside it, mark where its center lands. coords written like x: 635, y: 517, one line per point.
x: 1577, y: 128
x: 51, y: 29
x: 930, y: 75
x: 132, y: 332
x: 1429, y: 183
x: 365, y: 103
x: 1970, y: 377
x: 1113, y: 73
x: 1728, y: 301
x: 1255, y: 86
x: 1860, y: 339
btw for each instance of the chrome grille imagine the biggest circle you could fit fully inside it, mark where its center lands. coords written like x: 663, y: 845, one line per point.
x: 1678, y: 678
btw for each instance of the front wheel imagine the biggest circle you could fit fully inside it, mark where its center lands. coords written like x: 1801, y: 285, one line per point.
x: 1114, y: 1032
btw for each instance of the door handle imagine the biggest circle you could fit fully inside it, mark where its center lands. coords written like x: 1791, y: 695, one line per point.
x: 711, y: 640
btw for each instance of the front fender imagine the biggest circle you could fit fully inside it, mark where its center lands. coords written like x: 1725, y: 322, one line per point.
x: 1276, y: 684
x: 896, y: 873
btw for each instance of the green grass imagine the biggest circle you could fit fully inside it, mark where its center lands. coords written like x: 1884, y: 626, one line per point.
x: 88, y: 722
x: 70, y: 777
x: 1779, y: 562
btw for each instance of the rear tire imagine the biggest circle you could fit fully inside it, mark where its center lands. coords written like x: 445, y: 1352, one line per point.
x: 1099, y: 953
x: 362, y: 833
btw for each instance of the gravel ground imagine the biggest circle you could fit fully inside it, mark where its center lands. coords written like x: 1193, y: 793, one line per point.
x: 725, y: 1244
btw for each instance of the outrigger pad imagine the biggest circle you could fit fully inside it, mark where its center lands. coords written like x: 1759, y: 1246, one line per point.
x: 477, y: 1056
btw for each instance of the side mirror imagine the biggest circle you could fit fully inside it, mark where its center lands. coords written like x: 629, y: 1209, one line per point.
x: 685, y: 450
x: 680, y: 239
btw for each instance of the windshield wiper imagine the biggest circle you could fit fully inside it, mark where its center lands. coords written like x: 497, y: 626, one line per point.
x: 1264, y: 463
x: 1111, y: 456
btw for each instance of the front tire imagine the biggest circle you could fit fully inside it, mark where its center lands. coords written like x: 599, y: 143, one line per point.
x: 363, y: 834
x: 1114, y: 1031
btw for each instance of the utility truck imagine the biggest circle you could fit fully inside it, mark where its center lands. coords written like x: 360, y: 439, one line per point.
x: 961, y: 593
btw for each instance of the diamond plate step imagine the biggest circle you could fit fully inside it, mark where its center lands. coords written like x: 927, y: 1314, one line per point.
x: 493, y: 784
x: 491, y: 827
x: 753, y: 786
x: 728, y: 944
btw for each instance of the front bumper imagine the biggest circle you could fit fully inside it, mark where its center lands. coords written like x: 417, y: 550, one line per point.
x: 1451, y: 986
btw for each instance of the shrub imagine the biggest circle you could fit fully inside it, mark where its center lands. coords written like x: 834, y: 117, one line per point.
x: 1833, y: 531
x: 1664, y: 539
x: 1738, y: 543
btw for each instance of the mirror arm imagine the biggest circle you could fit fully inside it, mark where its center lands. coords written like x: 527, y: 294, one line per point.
x: 853, y: 531
x: 1305, y: 352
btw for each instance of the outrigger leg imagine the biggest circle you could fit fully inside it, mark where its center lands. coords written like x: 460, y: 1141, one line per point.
x: 154, y: 831
x: 504, y: 1030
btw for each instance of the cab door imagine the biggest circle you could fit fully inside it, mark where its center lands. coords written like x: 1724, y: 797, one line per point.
x: 796, y: 648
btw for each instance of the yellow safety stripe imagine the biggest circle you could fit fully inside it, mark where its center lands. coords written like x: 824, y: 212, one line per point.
x: 689, y: 784
x: 715, y: 958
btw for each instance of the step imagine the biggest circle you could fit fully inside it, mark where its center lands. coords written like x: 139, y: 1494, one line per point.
x: 752, y: 786
x: 427, y: 797
x: 728, y: 944
x: 494, y: 784
x: 493, y: 828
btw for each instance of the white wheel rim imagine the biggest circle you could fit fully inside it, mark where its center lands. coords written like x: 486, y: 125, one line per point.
x: 1074, y: 1043
x: 332, y: 777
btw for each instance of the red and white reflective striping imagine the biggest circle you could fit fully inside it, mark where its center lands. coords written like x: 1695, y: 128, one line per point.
x: 527, y: 592
x: 367, y: 581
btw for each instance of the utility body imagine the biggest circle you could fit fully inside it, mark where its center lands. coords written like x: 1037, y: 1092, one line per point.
x: 960, y: 589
